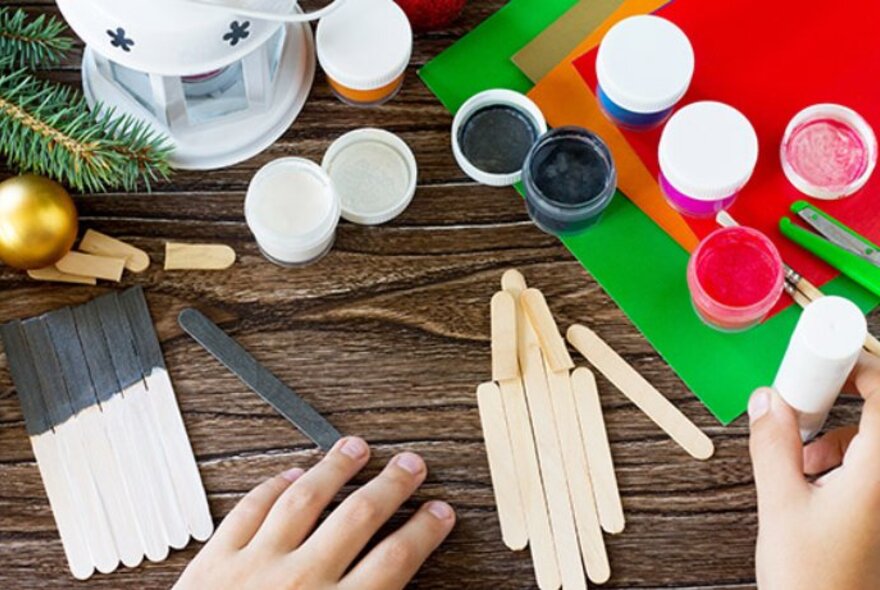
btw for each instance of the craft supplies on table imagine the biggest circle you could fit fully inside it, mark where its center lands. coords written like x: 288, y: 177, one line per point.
x: 707, y: 154
x: 822, y: 353
x: 107, y: 434
x: 364, y: 47
x: 828, y: 151
x: 735, y: 276
x: 235, y: 358
x: 644, y: 67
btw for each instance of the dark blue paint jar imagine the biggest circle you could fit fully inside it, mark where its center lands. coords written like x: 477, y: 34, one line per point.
x: 569, y: 179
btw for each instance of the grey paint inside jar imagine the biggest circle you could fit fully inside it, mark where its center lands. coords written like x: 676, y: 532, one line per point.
x: 496, y: 139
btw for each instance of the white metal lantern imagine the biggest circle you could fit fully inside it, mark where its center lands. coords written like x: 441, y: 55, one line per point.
x: 222, y: 81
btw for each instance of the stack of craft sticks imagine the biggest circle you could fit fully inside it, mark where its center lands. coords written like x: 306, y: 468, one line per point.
x: 549, y: 456
x: 107, y: 433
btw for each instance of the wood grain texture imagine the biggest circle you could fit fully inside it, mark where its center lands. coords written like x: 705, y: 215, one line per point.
x: 388, y: 337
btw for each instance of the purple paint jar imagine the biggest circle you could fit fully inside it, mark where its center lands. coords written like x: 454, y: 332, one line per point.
x: 708, y: 152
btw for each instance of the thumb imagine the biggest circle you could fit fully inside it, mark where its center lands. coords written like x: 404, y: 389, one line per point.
x: 776, y: 449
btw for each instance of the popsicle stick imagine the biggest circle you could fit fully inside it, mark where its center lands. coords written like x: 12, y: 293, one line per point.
x: 505, y: 364
x: 500, y: 455
x: 89, y: 265
x: 198, y: 256
x: 552, y: 344
x: 641, y: 393
x: 514, y: 283
x: 577, y: 472
x: 136, y: 260
x: 53, y: 275
x: 595, y: 437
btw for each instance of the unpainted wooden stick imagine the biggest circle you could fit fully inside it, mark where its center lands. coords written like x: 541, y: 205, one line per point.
x: 552, y: 344
x: 641, y: 393
x: 505, y: 364
x: 598, y: 450
x: 514, y: 283
x: 52, y: 274
x: 498, y: 450
x: 198, y: 256
x: 136, y: 260
x: 89, y: 265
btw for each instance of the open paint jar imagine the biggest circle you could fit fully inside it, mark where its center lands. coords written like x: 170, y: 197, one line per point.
x: 735, y: 277
x: 569, y: 179
x: 364, y: 48
x: 492, y: 134
x: 829, y: 151
x: 644, y: 67
x: 292, y: 209
x: 708, y: 152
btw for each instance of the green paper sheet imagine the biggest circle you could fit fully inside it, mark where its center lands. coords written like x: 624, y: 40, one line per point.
x: 639, y: 266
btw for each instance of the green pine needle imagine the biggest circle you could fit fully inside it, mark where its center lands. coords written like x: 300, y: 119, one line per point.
x: 48, y: 129
x: 32, y: 42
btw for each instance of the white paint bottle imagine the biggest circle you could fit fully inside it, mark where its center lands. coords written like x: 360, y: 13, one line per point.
x: 823, y: 351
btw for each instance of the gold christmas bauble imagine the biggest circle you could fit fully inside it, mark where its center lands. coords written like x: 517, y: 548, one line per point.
x: 38, y: 222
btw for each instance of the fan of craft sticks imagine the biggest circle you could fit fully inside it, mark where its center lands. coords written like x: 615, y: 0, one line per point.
x: 550, y: 460
x: 107, y: 433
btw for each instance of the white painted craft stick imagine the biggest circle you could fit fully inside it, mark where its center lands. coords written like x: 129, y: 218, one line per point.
x: 64, y: 503
x: 552, y: 344
x: 635, y: 387
x: 505, y: 364
x: 500, y: 456
x: 595, y: 436
x: 577, y: 474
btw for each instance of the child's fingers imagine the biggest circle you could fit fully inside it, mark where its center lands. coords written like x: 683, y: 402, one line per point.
x: 393, y: 563
x: 828, y: 452
x: 242, y: 523
x: 865, y: 378
x: 345, y: 533
x: 297, y: 510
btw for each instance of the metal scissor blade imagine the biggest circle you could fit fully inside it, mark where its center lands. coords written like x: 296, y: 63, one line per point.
x: 840, y: 237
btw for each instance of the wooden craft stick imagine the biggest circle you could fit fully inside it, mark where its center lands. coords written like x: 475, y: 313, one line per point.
x: 641, y: 393
x: 595, y: 437
x: 500, y: 455
x: 198, y: 256
x: 52, y: 274
x: 514, y: 283
x: 552, y: 344
x: 577, y: 473
x: 89, y: 265
x: 136, y: 260
x: 505, y: 364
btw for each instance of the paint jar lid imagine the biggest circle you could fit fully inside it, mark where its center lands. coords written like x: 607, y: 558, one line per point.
x: 708, y: 150
x: 291, y: 206
x: 365, y: 44
x: 829, y: 151
x: 492, y: 134
x: 645, y: 64
x: 374, y: 172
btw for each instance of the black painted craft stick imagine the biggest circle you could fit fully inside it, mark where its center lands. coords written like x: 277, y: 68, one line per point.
x: 258, y: 378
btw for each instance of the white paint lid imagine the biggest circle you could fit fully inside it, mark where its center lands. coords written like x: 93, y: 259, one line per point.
x: 708, y: 150
x: 365, y: 44
x: 645, y: 64
x: 374, y: 172
x: 489, y: 98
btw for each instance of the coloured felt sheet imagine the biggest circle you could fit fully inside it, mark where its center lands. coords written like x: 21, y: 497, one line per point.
x: 771, y: 72
x: 551, y: 46
x: 637, y: 263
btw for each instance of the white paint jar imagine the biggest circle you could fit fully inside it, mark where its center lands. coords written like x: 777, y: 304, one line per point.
x: 293, y: 210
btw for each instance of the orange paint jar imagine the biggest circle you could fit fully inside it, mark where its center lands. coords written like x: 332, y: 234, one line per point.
x: 364, y: 47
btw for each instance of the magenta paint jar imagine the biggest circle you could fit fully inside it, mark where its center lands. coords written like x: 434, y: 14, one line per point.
x: 735, y: 277
x: 708, y: 152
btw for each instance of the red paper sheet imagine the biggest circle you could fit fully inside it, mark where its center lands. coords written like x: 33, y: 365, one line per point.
x: 770, y: 60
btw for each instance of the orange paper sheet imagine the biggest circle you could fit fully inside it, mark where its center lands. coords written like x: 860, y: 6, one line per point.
x: 565, y: 100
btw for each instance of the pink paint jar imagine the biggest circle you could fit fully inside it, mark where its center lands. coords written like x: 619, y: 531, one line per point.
x: 735, y: 276
x: 708, y: 152
x: 829, y: 151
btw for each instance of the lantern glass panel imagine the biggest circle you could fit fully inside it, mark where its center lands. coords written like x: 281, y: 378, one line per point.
x: 216, y: 94
x: 137, y: 84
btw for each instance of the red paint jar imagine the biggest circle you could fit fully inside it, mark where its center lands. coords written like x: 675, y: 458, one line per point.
x: 735, y: 276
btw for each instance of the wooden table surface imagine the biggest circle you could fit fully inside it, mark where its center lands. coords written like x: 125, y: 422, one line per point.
x: 388, y: 337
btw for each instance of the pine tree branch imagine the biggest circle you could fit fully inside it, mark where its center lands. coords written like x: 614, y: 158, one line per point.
x: 32, y: 42
x: 49, y: 129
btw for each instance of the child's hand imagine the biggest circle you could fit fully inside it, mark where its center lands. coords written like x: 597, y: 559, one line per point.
x: 269, y: 541
x: 823, y: 535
